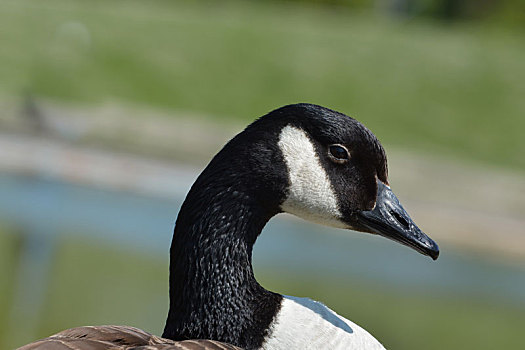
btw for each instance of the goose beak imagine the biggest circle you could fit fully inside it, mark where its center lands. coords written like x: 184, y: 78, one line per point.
x: 389, y: 219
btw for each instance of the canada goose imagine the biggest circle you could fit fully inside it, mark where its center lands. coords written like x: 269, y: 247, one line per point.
x: 303, y: 159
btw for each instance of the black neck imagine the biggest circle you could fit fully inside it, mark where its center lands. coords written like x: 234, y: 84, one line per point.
x: 213, y: 291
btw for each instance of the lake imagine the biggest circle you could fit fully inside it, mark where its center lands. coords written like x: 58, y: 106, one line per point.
x: 50, y: 208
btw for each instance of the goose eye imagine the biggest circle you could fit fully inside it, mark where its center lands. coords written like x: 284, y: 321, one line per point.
x: 338, y: 154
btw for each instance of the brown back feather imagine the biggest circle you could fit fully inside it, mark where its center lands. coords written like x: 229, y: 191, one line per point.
x: 119, y: 338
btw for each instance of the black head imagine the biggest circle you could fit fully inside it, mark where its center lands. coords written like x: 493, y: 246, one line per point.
x: 335, y: 173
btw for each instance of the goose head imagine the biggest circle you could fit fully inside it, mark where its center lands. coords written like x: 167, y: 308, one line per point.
x: 301, y: 159
x: 328, y: 168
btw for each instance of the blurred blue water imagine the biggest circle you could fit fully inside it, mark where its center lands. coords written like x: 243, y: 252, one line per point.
x: 46, y: 206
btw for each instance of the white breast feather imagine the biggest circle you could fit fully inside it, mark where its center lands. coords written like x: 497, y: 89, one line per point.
x: 306, y: 324
x: 310, y: 195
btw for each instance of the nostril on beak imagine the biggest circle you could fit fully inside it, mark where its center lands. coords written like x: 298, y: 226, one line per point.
x: 401, y: 220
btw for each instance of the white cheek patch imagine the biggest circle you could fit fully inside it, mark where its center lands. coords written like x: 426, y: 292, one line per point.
x: 310, y: 195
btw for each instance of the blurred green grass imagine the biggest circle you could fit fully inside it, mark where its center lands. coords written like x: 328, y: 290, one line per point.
x: 450, y: 89
x: 94, y: 284
x: 7, y: 272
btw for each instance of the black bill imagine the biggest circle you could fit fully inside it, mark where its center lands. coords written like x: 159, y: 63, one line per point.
x: 389, y: 219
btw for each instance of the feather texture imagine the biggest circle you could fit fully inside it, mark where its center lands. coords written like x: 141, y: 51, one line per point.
x: 118, y: 338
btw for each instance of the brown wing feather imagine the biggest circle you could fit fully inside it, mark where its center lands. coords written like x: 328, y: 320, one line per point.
x: 119, y: 338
